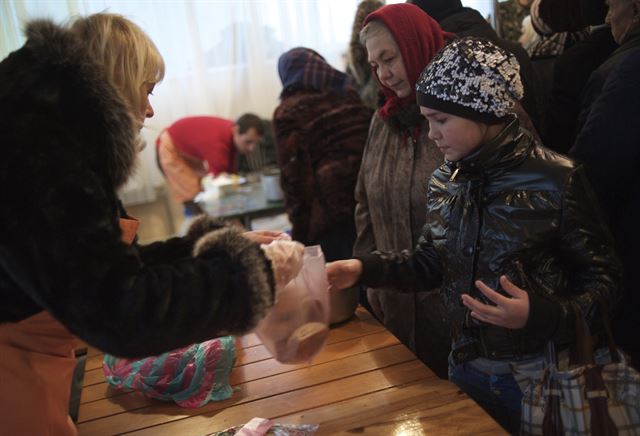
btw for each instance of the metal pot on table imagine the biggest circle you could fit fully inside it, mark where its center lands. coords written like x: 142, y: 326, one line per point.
x: 343, y: 304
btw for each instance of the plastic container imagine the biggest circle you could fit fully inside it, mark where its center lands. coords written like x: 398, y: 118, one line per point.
x: 271, y: 185
x: 343, y: 304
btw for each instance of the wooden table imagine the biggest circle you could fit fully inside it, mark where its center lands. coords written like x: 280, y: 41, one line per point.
x: 363, y: 382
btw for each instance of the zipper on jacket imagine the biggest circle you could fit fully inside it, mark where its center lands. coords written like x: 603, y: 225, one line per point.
x: 413, y: 170
x: 476, y: 251
x: 414, y: 141
x: 455, y: 174
x: 476, y: 248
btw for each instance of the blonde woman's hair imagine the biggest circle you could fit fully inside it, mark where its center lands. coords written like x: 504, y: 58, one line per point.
x: 374, y: 28
x: 129, y: 57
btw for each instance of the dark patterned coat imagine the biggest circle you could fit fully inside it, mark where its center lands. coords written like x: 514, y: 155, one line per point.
x: 320, y: 137
x: 68, y: 145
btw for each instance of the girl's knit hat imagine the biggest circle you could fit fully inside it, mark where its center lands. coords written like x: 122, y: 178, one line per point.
x: 471, y: 78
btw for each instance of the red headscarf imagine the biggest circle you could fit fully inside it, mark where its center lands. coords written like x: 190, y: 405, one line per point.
x: 419, y: 38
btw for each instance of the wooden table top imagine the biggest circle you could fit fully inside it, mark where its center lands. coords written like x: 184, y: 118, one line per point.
x: 364, y: 381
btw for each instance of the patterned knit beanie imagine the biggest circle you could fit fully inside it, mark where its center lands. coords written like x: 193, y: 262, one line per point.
x: 471, y: 78
x: 302, y: 67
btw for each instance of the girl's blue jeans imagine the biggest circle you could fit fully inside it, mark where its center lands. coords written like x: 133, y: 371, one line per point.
x: 499, y: 395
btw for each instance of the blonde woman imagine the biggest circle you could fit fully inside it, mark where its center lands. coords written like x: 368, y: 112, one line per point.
x: 72, y: 101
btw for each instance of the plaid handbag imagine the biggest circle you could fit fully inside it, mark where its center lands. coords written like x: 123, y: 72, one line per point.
x: 597, y: 396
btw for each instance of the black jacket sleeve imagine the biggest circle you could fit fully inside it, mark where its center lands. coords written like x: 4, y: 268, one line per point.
x: 404, y: 271
x: 594, y: 269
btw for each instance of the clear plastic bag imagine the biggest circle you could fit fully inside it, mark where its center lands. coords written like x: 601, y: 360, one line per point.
x: 296, y: 327
x: 191, y: 376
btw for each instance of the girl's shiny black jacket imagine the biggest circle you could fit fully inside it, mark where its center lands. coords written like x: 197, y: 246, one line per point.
x: 512, y: 207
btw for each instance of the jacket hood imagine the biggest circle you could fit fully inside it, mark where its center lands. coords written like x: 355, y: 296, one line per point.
x: 59, y: 113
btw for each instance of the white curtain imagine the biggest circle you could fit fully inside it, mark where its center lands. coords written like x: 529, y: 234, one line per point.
x: 221, y: 55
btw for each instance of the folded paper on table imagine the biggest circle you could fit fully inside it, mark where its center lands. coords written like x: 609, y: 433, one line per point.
x: 261, y: 426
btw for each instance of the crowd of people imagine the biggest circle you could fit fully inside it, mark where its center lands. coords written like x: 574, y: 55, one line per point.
x: 479, y: 194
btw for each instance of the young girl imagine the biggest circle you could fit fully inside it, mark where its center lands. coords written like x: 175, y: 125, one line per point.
x: 72, y: 102
x: 512, y: 237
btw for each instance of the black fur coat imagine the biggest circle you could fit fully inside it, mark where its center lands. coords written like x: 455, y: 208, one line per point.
x: 67, y: 144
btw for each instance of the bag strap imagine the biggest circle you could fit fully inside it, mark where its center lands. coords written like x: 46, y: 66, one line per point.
x: 581, y: 352
x: 552, y: 420
x: 608, y: 331
x: 595, y: 390
x: 597, y: 395
x: 582, y: 349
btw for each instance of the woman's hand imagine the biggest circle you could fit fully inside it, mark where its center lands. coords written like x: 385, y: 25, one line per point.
x: 343, y: 274
x: 508, y: 312
x: 286, y: 258
x: 265, y: 236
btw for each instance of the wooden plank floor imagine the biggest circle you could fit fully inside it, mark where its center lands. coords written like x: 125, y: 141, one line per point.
x: 363, y: 381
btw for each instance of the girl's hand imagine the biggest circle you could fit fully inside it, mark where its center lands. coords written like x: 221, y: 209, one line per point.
x: 343, y: 274
x: 508, y: 312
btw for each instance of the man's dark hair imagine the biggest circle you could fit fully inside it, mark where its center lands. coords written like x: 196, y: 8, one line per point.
x: 250, y: 121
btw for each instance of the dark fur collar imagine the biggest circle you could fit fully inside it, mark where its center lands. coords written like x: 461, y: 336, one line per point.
x: 61, y: 110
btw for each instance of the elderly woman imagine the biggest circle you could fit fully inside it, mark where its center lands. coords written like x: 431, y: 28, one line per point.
x: 399, y: 158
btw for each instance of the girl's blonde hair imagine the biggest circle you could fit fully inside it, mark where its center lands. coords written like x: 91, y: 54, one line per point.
x: 129, y: 57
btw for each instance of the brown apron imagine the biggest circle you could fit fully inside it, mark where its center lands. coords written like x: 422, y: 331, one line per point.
x: 36, y: 368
